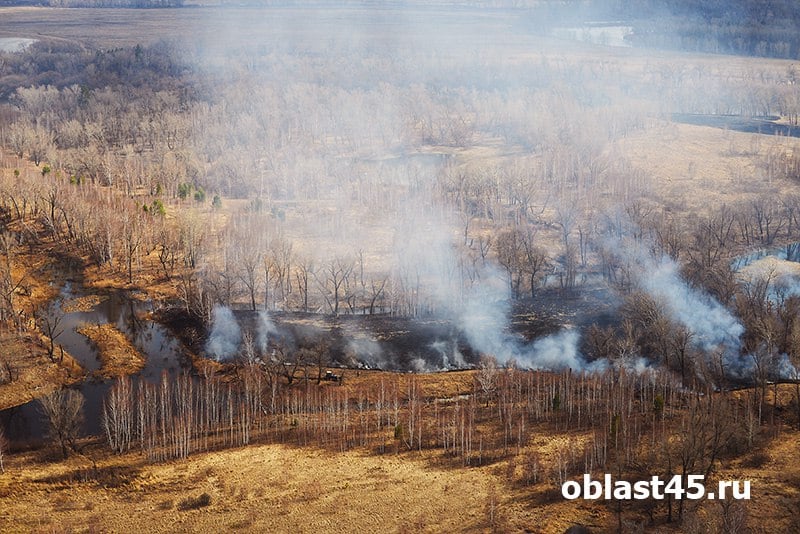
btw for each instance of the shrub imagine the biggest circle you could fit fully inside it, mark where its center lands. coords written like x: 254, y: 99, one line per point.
x: 158, y: 208
x: 756, y: 460
x: 184, y: 190
x: 193, y: 503
x: 6, y: 371
x: 658, y: 404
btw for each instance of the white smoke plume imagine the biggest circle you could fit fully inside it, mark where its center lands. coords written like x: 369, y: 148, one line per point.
x: 783, y: 276
x: 557, y: 352
x: 418, y: 365
x: 783, y: 281
x: 786, y: 370
x: 484, y: 314
x: 710, y: 322
x: 450, y: 356
x: 225, y: 337
x: 637, y: 365
x: 473, y: 294
x: 785, y: 286
x: 264, y: 329
x: 714, y: 328
x: 366, y: 350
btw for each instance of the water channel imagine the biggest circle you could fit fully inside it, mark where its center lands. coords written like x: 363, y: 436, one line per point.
x: 161, y: 350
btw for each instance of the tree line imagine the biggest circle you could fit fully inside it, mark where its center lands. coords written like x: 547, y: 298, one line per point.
x: 636, y: 425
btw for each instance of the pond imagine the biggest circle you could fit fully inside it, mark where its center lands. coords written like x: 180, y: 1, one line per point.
x: 161, y: 350
x: 14, y: 44
x: 770, y: 125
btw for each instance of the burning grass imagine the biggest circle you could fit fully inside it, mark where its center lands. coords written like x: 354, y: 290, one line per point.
x: 689, y: 168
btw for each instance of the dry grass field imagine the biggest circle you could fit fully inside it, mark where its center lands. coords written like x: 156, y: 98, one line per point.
x: 35, y: 374
x: 694, y: 169
x: 213, y: 26
x: 279, y: 488
x: 259, y: 489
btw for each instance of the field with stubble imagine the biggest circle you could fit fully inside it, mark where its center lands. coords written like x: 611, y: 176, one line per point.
x: 257, y: 489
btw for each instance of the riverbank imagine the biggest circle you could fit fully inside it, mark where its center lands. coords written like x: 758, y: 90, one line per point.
x: 117, y: 354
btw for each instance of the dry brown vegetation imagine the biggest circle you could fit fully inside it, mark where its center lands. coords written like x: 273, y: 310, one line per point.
x: 287, y: 488
x: 29, y: 371
x: 33, y: 373
x: 256, y: 489
x: 535, y: 154
x: 118, y: 355
x: 84, y: 303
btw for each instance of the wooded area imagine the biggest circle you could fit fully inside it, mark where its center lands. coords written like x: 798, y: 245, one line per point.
x: 430, y: 176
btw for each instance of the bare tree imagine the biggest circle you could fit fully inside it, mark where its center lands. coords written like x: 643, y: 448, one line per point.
x: 49, y: 322
x: 289, y: 362
x: 7, y: 371
x: 321, y: 358
x: 769, y: 218
x: 281, y: 256
x: 118, y: 415
x: 566, y: 217
x: 376, y: 292
x: 511, y: 255
x: 681, y: 348
x: 3, y: 447
x: 192, y: 237
x: 249, y: 351
x: 487, y: 377
x: 63, y: 412
x: 248, y: 260
x: 536, y: 261
x: 332, y: 280
x: 304, y: 270
x: 8, y: 287
x: 708, y: 427
x: 133, y: 228
x: 168, y: 246
x: 733, y: 516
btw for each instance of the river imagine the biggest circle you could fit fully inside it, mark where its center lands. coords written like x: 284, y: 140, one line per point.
x: 161, y: 350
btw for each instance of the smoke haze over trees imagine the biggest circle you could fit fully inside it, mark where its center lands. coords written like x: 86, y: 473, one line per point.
x: 428, y: 174
x: 607, y: 235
